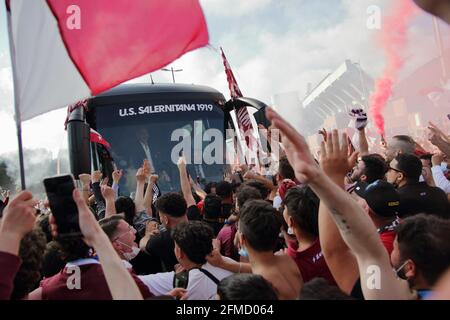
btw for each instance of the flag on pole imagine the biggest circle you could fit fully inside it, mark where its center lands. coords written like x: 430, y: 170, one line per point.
x: 97, y: 138
x: 68, y: 50
x: 242, y: 115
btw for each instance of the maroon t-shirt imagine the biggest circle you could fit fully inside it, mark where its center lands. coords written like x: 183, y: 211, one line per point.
x: 226, y: 237
x: 311, y: 263
x: 9, y: 265
x: 93, y: 285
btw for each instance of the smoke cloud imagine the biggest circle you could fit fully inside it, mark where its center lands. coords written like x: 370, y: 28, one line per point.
x: 393, y: 40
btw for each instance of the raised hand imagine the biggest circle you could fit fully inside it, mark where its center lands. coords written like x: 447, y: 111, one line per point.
x: 147, y: 167
x: 360, y: 117
x: 117, y: 175
x: 107, y: 192
x: 85, y: 179
x: 141, y: 176
x: 96, y: 176
x: 19, y: 216
x: 296, y: 148
x: 334, y: 158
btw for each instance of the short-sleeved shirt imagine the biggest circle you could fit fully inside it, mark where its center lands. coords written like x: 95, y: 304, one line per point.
x: 200, y: 286
x: 161, y: 246
x: 421, y: 198
x: 226, y: 237
x: 311, y: 263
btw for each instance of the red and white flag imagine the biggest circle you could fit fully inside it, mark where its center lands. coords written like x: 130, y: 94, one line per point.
x: 97, y: 138
x: 64, y: 51
x: 242, y: 115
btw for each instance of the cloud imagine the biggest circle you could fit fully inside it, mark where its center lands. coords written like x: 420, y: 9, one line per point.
x: 233, y: 7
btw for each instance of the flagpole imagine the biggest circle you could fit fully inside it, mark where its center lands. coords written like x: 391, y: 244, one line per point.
x: 16, y: 102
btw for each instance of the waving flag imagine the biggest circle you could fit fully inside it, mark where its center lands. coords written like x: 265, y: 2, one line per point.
x: 67, y: 50
x: 97, y: 138
x: 242, y: 115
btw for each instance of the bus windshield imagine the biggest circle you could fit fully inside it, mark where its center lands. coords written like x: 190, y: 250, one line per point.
x: 138, y: 130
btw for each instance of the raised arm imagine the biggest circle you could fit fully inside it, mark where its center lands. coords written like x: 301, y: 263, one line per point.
x: 340, y: 259
x: 116, y: 175
x: 378, y: 280
x: 120, y: 283
x: 110, y: 199
x: 19, y: 218
x: 140, y: 185
x: 185, y: 185
x: 148, y: 198
x: 85, y: 180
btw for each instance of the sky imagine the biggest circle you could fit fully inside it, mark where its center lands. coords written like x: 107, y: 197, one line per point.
x: 273, y: 46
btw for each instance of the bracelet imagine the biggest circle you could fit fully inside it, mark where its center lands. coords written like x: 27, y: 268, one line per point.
x: 240, y: 265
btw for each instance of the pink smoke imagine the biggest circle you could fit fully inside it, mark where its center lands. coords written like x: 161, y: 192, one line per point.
x: 393, y: 39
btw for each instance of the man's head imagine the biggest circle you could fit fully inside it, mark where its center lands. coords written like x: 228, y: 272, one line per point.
x: 301, y: 210
x: 369, y: 169
x: 142, y: 135
x: 212, y: 206
x: 246, y: 286
x: 210, y: 188
x: 400, y: 144
x: 224, y: 190
x: 121, y: 235
x: 285, y: 170
x: 172, y: 209
x: 259, y: 226
x: 382, y: 199
x: 404, y: 169
x: 421, y: 250
x: 126, y: 206
x: 193, y: 242
x: 263, y: 190
x: 244, y: 194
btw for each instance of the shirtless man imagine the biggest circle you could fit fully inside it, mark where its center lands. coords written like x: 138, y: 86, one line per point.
x: 259, y: 228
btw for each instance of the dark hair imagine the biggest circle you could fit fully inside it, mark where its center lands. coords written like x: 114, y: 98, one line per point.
x: 31, y: 253
x: 246, y: 286
x: 246, y: 193
x: 224, y: 189
x: 73, y: 249
x: 53, y: 261
x: 260, y: 186
x: 424, y: 239
x: 404, y: 138
x: 209, y: 186
x: 260, y: 224
x: 126, y: 206
x: 197, y: 198
x: 44, y: 224
x: 172, y: 204
x: 212, y: 206
x: 285, y: 169
x: 303, y: 206
x: 410, y: 165
x: 375, y: 168
x: 426, y: 156
x: 320, y: 289
x: 109, y: 225
x: 195, y: 239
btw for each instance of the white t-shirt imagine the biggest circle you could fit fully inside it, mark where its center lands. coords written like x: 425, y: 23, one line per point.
x: 200, y: 286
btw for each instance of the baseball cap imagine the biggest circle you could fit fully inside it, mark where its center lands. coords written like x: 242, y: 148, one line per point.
x: 381, y: 197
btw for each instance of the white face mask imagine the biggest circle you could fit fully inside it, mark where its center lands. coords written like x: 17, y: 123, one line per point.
x: 130, y: 255
x: 444, y: 166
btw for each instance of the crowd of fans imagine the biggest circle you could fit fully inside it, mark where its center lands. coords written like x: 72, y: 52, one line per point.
x: 348, y: 225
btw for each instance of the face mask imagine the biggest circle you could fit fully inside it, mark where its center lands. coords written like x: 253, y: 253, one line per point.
x: 399, y: 271
x: 130, y: 255
x: 444, y: 166
x: 243, y: 252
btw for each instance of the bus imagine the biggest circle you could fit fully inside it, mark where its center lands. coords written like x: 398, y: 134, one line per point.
x: 150, y: 121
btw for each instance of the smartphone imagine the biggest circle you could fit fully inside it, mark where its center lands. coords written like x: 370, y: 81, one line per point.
x: 181, y: 280
x: 59, y: 191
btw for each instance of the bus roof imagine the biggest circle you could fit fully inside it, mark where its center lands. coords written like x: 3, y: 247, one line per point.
x: 146, y: 88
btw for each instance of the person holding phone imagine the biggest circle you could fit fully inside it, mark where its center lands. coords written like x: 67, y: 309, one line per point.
x: 85, y: 277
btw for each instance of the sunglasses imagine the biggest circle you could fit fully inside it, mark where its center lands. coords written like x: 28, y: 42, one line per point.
x: 396, y: 170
